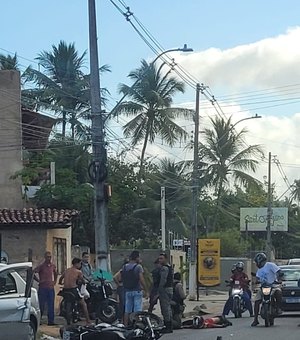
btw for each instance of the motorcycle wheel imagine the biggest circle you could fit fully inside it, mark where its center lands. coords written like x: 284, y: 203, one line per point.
x: 155, y: 320
x: 265, y: 314
x: 107, y: 311
x: 236, y: 308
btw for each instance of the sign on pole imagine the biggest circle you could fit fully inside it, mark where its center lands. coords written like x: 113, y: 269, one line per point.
x: 209, y: 273
x: 255, y: 219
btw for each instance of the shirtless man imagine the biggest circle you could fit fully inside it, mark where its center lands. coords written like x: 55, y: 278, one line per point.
x: 70, y: 279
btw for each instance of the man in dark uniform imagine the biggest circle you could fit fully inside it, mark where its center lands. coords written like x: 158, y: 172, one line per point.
x: 165, y: 292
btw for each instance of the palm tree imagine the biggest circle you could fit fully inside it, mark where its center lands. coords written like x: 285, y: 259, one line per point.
x: 8, y: 62
x: 227, y: 157
x: 64, y: 88
x: 295, y: 195
x: 63, y: 85
x: 150, y: 102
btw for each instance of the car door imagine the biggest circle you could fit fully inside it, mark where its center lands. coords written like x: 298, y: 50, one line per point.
x: 15, y: 302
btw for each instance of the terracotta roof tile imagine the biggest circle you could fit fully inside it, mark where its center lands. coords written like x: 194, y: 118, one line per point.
x: 37, y: 216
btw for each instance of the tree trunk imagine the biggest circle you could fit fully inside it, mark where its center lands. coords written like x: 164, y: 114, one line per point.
x: 64, y: 118
x: 218, y: 205
x: 143, y: 154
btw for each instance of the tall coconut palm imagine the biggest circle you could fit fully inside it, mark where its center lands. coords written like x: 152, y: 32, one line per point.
x: 63, y: 83
x: 150, y: 103
x: 227, y: 157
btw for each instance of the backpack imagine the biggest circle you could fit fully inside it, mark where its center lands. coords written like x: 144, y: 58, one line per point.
x: 130, y: 278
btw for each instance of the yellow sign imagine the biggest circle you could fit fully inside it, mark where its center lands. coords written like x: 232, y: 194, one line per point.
x: 209, y: 273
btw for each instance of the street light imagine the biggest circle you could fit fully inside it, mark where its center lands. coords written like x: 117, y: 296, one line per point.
x: 182, y: 49
x: 256, y: 116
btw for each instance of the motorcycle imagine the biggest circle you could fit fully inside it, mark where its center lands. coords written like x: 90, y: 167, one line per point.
x: 144, y: 326
x: 100, y: 304
x: 236, y: 294
x: 268, y: 310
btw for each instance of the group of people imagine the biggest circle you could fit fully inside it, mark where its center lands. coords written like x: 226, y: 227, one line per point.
x: 46, y: 275
x: 267, y: 273
x: 166, y: 287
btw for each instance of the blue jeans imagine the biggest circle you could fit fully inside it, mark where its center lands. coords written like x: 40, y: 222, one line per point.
x: 47, y: 296
x: 133, y: 301
x: 229, y: 304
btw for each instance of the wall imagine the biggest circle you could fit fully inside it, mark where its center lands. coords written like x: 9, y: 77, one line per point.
x: 65, y: 233
x: 15, y: 242
x: 10, y: 134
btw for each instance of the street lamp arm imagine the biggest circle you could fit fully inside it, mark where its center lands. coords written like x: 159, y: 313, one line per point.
x: 247, y: 118
x: 239, y: 121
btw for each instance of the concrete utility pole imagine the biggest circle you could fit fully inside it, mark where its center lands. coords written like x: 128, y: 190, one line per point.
x: 269, y: 213
x: 193, y: 260
x: 98, y: 168
x: 163, y: 217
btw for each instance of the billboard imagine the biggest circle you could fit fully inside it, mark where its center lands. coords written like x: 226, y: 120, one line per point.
x: 209, y: 273
x: 255, y: 219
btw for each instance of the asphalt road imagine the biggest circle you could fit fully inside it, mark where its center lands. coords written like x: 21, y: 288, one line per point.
x: 285, y: 328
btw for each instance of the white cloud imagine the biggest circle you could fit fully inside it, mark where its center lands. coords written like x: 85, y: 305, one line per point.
x: 268, y: 62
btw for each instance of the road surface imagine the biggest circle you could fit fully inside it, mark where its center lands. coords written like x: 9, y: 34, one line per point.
x: 285, y: 328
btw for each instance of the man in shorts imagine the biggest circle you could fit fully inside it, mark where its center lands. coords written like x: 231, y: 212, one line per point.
x: 71, y: 279
x: 133, y: 283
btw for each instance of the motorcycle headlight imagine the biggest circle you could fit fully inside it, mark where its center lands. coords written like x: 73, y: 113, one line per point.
x: 266, y: 290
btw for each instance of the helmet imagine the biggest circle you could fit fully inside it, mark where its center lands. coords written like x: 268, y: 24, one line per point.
x: 198, y: 322
x: 233, y: 268
x: 260, y: 259
x: 240, y: 266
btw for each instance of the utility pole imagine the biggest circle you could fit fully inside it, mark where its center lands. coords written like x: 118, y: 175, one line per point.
x: 98, y: 168
x: 163, y: 217
x: 193, y: 260
x: 269, y: 213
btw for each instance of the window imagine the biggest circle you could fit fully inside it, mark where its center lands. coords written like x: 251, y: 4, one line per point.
x: 60, y: 254
x: 7, y: 284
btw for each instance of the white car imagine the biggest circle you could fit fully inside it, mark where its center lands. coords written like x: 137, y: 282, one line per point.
x: 293, y: 262
x: 19, y: 305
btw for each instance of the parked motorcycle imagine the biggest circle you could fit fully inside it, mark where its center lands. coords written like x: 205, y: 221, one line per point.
x: 145, y: 326
x: 268, y: 310
x: 236, y: 294
x: 100, y: 304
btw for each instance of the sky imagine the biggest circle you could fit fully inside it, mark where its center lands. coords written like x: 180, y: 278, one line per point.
x: 248, y: 53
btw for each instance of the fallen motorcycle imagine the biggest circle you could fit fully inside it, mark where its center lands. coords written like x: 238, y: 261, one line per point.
x: 145, y: 326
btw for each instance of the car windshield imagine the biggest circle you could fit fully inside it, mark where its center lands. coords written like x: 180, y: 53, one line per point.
x: 292, y: 274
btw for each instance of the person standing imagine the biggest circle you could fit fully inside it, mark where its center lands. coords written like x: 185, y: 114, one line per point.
x: 86, y: 267
x: 177, y: 301
x: 120, y: 291
x: 47, y: 278
x: 154, y: 289
x: 165, y: 292
x: 133, y: 282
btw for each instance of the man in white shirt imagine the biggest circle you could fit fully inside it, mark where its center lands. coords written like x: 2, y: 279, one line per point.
x: 267, y: 273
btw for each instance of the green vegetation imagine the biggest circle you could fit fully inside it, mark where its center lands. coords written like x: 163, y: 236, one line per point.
x: 227, y: 168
